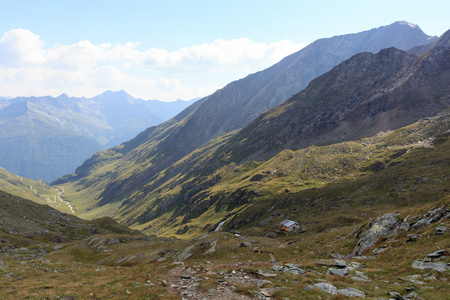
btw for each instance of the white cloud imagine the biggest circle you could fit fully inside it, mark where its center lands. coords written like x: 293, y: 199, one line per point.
x: 20, y: 46
x: 85, y: 69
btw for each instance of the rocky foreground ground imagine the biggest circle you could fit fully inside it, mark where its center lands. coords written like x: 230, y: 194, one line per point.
x: 391, y: 257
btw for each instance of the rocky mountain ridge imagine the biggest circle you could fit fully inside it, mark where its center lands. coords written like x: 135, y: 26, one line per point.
x: 382, y: 92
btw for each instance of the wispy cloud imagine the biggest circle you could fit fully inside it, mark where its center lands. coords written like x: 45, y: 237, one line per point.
x: 27, y: 67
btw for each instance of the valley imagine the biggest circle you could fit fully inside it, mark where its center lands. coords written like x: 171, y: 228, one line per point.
x: 325, y: 176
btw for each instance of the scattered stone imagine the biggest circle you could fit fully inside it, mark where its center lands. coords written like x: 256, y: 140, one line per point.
x: 266, y: 274
x: 396, y: 295
x: 338, y: 272
x: 245, y: 244
x: 413, y: 237
x: 58, y: 247
x: 358, y: 278
x: 338, y: 263
x: 380, y: 250
x: 289, y: 267
x: 437, y: 266
x: 263, y: 282
x: 325, y: 262
x: 327, y: 288
x: 269, y: 234
x: 351, y: 292
x: 412, y: 296
x: 354, y: 265
x: 440, y: 230
x: 413, y: 279
x: 435, y: 256
x: 432, y: 217
x: 268, y: 292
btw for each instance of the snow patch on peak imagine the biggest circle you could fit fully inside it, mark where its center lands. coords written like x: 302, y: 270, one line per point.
x: 409, y: 24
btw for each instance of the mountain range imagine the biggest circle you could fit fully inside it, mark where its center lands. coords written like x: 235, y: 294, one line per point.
x: 200, y: 166
x: 44, y: 138
x: 358, y: 159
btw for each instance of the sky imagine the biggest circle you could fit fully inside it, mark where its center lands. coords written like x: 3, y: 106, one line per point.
x: 174, y: 49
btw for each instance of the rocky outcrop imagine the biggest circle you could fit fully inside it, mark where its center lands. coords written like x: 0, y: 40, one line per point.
x: 431, y: 261
x: 388, y: 224
x: 383, y: 226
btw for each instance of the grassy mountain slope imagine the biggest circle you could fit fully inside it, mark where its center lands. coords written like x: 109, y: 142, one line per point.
x: 367, y: 93
x: 144, y: 160
x: 24, y: 222
x: 222, y: 265
x: 322, y: 184
x: 35, y: 190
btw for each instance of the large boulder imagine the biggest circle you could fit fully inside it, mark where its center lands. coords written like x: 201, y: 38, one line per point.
x: 383, y: 226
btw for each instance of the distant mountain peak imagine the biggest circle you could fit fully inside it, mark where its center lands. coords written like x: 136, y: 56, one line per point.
x: 408, y: 24
x: 120, y: 93
x: 63, y: 96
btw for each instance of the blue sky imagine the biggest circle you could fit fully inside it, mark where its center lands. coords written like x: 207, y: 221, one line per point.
x: 174, y: 49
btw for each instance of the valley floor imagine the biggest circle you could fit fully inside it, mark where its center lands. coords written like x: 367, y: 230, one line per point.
x: 409, y: 264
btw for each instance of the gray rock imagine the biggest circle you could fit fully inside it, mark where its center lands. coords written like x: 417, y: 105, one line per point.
x: 383, y: 226
x: 395, y: 295
x: 436, y: 255
x: 338, y: 272
x: 245, y: 244
x: 379, y: 250
x: 266, y: 274
x: 412, y: 296
x: 186, y: 253
x: 338, y: 263
x: 413, y: 237
x: 269, y: 234
x: 58, y: 247
x: 351, y: 292
x: 405, y: 226
x: 327, y: 288
x: 212, y: 246
x: 359, y: 278
x: 440, y: 230
x: 437, y: 266
x: 432, y: 217
x: 325, y: 262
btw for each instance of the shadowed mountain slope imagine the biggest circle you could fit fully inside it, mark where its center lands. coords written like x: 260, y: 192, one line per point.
x: 230, y: 109
x: 359, y: 98
x: 24, y: 222
x: 364, y: 95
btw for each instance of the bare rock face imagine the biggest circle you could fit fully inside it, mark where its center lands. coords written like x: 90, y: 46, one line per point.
x: 432, y: 217
x: 383, y: 226
x: 388, y: 224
